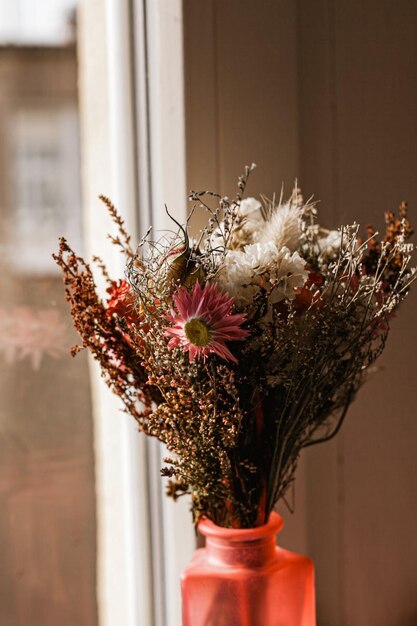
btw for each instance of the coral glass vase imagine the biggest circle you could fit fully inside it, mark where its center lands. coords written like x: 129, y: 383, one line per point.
x: 241, y: 578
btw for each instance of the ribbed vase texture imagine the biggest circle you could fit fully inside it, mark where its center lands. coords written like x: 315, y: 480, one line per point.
x: 241, y: 578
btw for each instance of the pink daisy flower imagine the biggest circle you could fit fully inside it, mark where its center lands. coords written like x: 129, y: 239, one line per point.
x: 203, y: 322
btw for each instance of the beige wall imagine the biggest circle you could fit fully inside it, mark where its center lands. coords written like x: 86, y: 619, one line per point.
x: 241, y: 94
x: 327, y: 91
x: 363, y: 130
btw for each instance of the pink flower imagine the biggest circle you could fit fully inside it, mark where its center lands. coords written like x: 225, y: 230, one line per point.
x: 204, y: 323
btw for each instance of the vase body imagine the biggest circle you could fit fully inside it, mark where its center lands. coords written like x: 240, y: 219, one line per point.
x: 241, y: 578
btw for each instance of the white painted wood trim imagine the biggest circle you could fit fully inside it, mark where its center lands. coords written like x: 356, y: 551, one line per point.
x: 110, y: 126
x: 164, y: 25
x: 124, y: 585
x: 166, y: 106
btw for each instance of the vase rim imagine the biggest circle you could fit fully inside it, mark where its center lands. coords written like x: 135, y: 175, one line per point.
x: 210, y: 529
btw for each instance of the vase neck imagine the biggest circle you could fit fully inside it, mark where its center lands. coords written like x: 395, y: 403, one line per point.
x: 244, y: 553
x: 253, y: 547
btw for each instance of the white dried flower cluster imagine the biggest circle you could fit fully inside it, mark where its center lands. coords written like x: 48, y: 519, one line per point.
x: 263, y: 253
x: 279, y: 272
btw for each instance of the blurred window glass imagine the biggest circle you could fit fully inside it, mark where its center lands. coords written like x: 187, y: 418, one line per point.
x: 45, y: 185
x: 41, y: 22
x: 47, y: 498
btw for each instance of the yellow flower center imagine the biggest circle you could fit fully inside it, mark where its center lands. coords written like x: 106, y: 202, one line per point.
x: 197, y: 332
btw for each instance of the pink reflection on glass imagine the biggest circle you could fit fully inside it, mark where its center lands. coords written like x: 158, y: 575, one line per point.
x: 32, y: 334
x: 241, y: 578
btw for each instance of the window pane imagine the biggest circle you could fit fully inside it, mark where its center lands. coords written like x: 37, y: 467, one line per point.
x: 47, y: 522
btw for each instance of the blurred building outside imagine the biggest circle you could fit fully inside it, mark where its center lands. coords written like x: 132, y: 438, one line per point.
x: 47, y: 502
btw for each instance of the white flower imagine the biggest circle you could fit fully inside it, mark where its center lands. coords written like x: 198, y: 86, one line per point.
x: 283, y: 227
x: 258, y: 257
x: 249, y: 222
x: 250, y: 207
x: 330, y: 245
x: 279, y: 271
x: 289, y: 275
x: 252, y: 262
x: 243, y: 270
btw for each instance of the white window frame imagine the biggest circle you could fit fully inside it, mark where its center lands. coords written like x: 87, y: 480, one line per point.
x: 133, y: 149
x: 161, y: 175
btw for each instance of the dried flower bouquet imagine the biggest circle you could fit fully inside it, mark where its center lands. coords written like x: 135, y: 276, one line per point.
x: 241, y: 348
